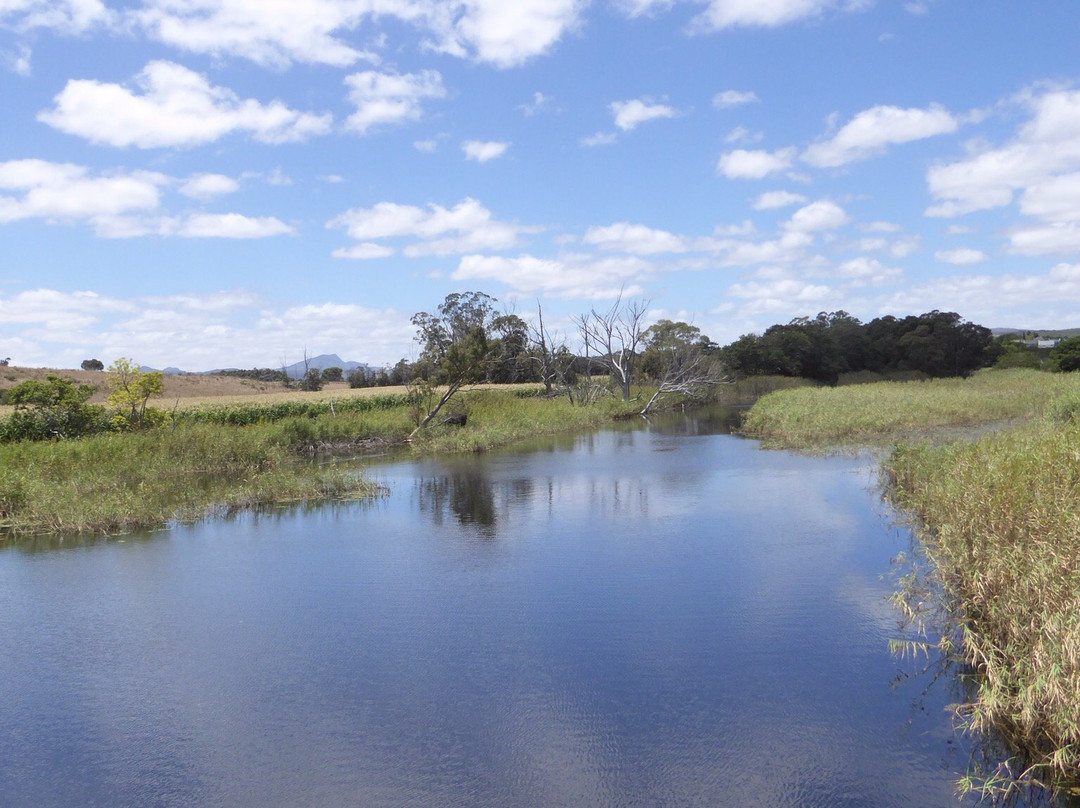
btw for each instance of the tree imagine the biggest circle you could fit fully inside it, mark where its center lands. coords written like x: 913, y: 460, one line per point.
x: 333, y: 374
x: 1066, y: 355
x: 680, y: 359
x: 312, y: 380
x: 617, y: 334
x: 130, y: 389
x: 455, y: 344
x: 92, y: 364
x: 53, y: 409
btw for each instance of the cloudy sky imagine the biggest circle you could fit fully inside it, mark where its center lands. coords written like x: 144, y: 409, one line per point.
x: 207, y: 183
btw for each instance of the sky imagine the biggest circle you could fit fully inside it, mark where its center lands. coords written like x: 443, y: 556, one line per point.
x: 235, y: 183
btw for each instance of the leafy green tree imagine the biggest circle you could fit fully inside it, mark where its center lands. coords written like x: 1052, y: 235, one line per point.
x: 53, y: 409
x: 455, y: 343
x: 1065, y: 356
x: 92, y: 364
x: 311, y: 381
x: 130, y: 389
x: 334, y: 374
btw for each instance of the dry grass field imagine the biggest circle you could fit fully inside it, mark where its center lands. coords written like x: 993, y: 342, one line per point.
x: 196, y: 390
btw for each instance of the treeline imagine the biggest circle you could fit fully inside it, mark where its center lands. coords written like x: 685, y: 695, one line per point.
x: 937, y: 344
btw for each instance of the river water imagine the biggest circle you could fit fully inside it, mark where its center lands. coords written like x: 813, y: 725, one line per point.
x: 658, y: 615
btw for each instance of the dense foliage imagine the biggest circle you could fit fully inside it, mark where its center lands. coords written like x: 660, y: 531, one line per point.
x: 937, y: 344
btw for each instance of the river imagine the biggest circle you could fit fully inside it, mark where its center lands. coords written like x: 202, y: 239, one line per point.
x: 655, y: 615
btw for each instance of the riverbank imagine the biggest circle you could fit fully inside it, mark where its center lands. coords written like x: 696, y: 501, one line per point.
x: 213, y: 459
x: 999, y: 517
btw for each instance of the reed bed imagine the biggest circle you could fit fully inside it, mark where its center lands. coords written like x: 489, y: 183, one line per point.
x: 1000, y: 519
x: 885, y: 412
x: 121, y: 482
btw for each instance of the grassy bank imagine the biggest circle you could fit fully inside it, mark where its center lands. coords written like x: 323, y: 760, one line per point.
x: 227, y: 456
x: 999, y: 517
x: 1001, y: 521
x: 885, y: 412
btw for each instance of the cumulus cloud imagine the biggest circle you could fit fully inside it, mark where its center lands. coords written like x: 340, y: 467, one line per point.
x: 232, y: 225
x: 754, y: 165
x: 176, y: 107
x: 67, y: 192
x: 466, y: 227
x: 66, y: 16
x: 118, y: 205
x: 721, y: 14
x: 1047, y: 146
x: 568, y: 276
x: 734, y: 98
x: 484, y: 150
x: 820, y: 215
x: 208, y: 186
x: 390, y: 98
x: 772, y: 200
x: 195, y: 332
x: 629, y: 114
x: 276, y: 34
x: 635, y: 238
x: 961, y: 256
x: 873, y: 130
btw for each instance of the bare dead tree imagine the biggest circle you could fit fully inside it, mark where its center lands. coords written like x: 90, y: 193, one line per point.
x: 617, y: 335
x: 690, y: 372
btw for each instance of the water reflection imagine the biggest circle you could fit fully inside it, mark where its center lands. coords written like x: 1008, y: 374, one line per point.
x: 652, y: 615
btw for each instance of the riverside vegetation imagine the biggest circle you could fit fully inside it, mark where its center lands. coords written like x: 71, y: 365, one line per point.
x: 999, y: 518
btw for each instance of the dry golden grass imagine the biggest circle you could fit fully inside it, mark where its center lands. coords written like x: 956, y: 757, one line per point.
x: 187, y: 390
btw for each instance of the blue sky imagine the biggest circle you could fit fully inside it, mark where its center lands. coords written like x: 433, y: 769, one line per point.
x: 208, y: 183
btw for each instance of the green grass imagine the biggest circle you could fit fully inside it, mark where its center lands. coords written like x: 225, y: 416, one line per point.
x: 223, y: 458
x: 999, y: 517
x: 884, y: 412
x: 116, y: 483
x: 1000, y: 520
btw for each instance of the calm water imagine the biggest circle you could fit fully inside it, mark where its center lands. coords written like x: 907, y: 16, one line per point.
x: 649, y: 617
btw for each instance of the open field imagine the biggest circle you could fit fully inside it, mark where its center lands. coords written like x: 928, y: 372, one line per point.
x: 187, y: 390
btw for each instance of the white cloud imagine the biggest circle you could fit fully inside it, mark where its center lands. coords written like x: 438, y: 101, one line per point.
x: 864, y: 271
x: 390, y: 98
x: 629, y: 114
x: 635, y: 238
x: 426, y: 146
x: 1048, y: 145
x: 1057, y: 238
x: 778, y: 199
x: 741, y: 134
x: 820, y: 215
x: 1054, y: 200
x: 599, y: 139
x: 364, y: 251
x: 17, y: 61
x: 484, y: 150
x: 177, y: 107
x: 508, y: 34
x: 539, y: 102
x: 208, y: 186
x: 873, y: 130
x: 569, y: 276
x: 734, y: 98
x: 66, y: 16
x: 67, y: 192
x: 466, y: 227
x: 504, y: 34
x: 232, y: 225
x: 721, y: 14
x: 961, y: 256
x: 754, y: 165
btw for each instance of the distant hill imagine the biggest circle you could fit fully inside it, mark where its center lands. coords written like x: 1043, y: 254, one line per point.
x: 1045, y: 333
x: 295, y: 370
